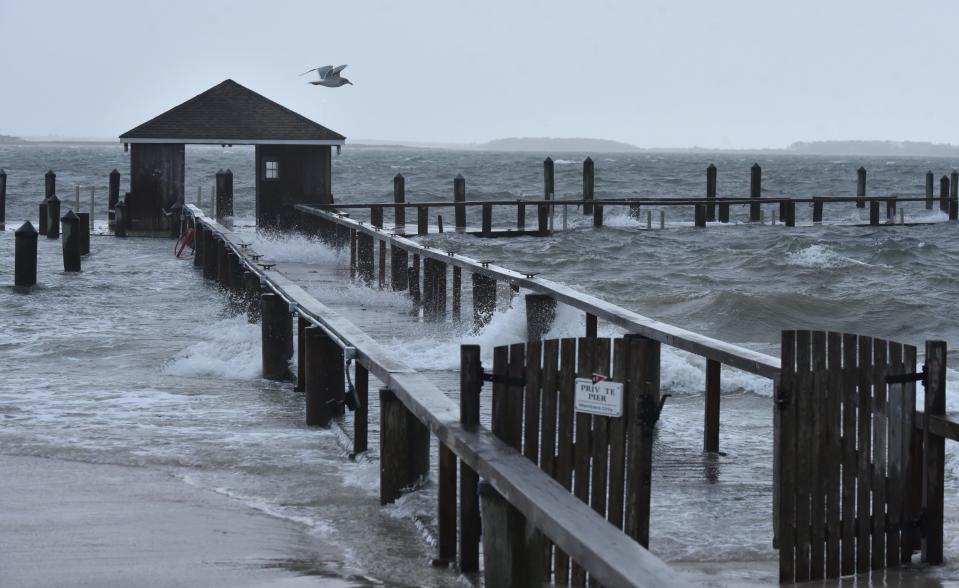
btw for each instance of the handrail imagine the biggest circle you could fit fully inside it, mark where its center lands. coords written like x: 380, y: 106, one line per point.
x: 708, y: 347
x: 604, y: 551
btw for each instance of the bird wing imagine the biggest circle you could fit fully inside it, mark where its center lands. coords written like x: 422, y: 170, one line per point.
x: 308, y: 71
x: 335, y: 72
x: 321, y: 71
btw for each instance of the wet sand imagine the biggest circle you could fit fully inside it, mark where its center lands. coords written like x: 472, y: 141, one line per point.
x: 67, y: 523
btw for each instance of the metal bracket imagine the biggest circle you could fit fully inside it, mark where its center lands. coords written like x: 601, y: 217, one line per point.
x: 501, y: 379
x: 908, y: 378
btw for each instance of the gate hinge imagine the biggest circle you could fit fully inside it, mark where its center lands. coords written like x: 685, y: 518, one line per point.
x: 503, y: 379
x: 908, y: 378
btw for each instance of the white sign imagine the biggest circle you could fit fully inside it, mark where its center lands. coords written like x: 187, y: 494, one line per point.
x: 598, y: 396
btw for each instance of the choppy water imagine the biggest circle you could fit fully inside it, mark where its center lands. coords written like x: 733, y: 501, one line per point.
x: 136, y: 361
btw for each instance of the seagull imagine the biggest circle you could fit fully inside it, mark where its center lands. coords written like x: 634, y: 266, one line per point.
x: 329, y: 76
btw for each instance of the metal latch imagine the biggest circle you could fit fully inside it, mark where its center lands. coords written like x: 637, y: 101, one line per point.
x: 908, y: 378
x: 503, y: 379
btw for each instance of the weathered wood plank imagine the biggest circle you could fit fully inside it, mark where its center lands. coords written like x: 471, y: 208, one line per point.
x: 894, y: 485
x: 617, y: 442
x: 864, y: 466
x: 548, y: 416
x: 446, y: 505
x: 833, y: 474
x: 564, y: 455
x: 711, y: 417
x: 531, y: 401
x: 934, y: 463
x: 849, y: 457
x: 879, y: 434
x: 644, y: 380
x: 599, y: 441
x: 819, y: 479
x: 581, y: 449
x: 499, y: 423
x: 786, y: 456
x: 912, y: 467
x: 514, y: 396
x: 804, y: 466
x: 361, y: 415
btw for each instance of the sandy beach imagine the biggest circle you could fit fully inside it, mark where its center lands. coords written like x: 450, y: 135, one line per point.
x: 67, y: 523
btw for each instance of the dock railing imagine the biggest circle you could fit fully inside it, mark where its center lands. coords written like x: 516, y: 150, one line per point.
x: 412, y: 405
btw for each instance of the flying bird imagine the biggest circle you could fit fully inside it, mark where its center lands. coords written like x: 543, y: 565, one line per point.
x: 329, y: 76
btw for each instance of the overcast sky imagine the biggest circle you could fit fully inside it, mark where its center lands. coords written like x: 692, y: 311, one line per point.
x: 657, y: 74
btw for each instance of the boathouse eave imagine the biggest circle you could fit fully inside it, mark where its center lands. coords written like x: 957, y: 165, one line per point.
x: 337, y: 142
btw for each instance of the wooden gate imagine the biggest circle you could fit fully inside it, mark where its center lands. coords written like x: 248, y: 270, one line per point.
x: 605, y: 461
x: 846, y: 500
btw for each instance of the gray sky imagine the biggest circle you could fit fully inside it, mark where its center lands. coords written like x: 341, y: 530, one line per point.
x: 657, y: 74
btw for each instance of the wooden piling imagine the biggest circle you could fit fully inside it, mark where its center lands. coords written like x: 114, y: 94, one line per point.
x: 301, y: 325
x: 817, y: 210
x: 711, y: 420
x: 644, y: 395
x: 404, y: 448
x: 549, y: 183
x: 422, y: 220
x: 49, y: 184
x: 84, y: 218
x: 361, y: 416
x: 484, y: 300
x: 3, y: 199
x: 353, y: 233
x: 434, y: 290
x: 520, y: 215
x: 874, y: 212
x: 120, y: 219
x: 25, y: 255
x: 934, y: 453
x: 540, y: 314
x: 222, y: 263
x: 71, y: 242
x: 597, y: 215
x: 588, y: 185
x: 953, y: 208
x: 414, y: 279
x: 251, y: 285
x: 790, y: 218
x: 542, y: 218
x: 756, y: 192
x: 42, y: 217
x: 399, y: 197
x: 113, y: 195
x: 277, y: 337
x: 376, y: 216
x: 723, y: 212
x: 891, y: 210
x: 198, y: 245
x: 944, y: 194
x: 929, y: 189
x: 471, y: 384
x: 700, y: 215
x: 511, y: 554
x: 711, y: 192
x: 381, y: 257
x: 457, y: 293
x: 861, y: 187
x: 324, y: 377
x: 446, y: 506
x: 53, y: 217
x: 487, y: 219
x: 224, y: 194
x: 364, y: 257
x: 209, y: 251
x: 439, y: 223
x: 399, y: 260
x: 459, y: 196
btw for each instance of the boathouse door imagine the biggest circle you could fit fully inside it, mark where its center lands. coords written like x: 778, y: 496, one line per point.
x: 846, y: 499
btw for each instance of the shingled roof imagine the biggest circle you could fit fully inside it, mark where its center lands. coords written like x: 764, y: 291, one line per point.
x: 233, y: 114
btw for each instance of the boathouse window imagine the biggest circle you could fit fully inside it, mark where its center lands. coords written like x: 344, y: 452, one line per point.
x: 272, y: 170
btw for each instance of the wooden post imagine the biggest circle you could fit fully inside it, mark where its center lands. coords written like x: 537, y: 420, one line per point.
x: 711, y: 426
x: 934, y: 452
x: 224, y: 194
x: 42, y: 217
x: 3, y: 199
x: 711, y: 192
x: 817, y: 210
x: 929, y: 189
x: 635, y: 210
x: 222, y: 263
x: 944, y: 194
x: 120, y: 219
x: 71, y: 242
x: 723, y: 212
x: 434, y: 290
x: 382, y: 265
x: 301, y: 325
x: 542, y: 214
x: 414, y: 279
x: 459, y: 195
x: 84, y: 218
x: 404, y: 448
x: 364, y: 257
x: 790, y: 219
x: 399, y: 260
x: 953, y: 208
x: 277, y: 337
x: 209, y: 249
x: 457, y: 292
x: 251, y: 285
x: 25, y: 255
x: 53, y: 217
x: 399, y: 197
x: 540, y: 314
x: 549, y: 185
x: 597, y: 215
x: 49, y: 184
x: 700, y: 215
x: 439, y: 223
x: 588, y: 185
x: 644, y: 400
x: 755, y: 192
x: 512, y: 553
x: 874, y: 212
x: 76, y: 206
x: 520, y: 215
x: 487, y: 220
x: 113, y: 195
x: 324, y: 378
x: 861, y: 187
x: 446, y: 506
x: 361, y: 416
x: 376, y: 216
x: 591, y: 325
x: 953, y: 184
x: 353, y: 233
x: 484, y: 300
x: 471, y: 384
x: 891, y: 209
x: 422, y: 220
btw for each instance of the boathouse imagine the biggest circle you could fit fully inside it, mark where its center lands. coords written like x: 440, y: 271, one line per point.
x: 293, y: 154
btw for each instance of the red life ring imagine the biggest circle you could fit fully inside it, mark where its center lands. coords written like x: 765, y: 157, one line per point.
x: 184, y: 240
